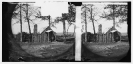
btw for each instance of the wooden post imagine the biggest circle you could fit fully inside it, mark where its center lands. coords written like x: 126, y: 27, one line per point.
x: 97, y: 38
x: 107, y: 37
x: 55, y: 37
x: 48, y: 36
x: 40, y: 38
x: 120, y: 37
x: 100, y: 38
x: 111, y: 38
x: 103, y: 38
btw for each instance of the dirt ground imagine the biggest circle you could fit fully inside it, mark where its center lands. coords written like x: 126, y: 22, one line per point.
x: 109, y: 49
x: 46, y: 50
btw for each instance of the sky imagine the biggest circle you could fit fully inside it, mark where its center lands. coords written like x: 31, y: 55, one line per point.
x: 55, y: 10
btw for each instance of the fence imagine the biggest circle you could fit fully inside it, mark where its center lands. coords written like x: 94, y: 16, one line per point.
x: 102, y: 38
x: 109, y: 37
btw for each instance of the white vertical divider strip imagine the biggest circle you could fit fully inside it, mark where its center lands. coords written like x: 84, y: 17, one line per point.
x: 78, y: 34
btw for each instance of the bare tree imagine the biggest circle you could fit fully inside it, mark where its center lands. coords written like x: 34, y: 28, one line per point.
x: 92, y: 19
x: 15, y: 16
x: 30, y: 12
x: 28, y: 21
x: 89, y: 14
x: 85, y: 10
x: 93, y: 13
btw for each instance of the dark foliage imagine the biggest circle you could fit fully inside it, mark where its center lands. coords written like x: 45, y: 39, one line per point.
x: 119, y: 11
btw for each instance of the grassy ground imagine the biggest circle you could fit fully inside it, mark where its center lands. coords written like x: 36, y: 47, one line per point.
x: 109, y: 49
x: 46, y: 49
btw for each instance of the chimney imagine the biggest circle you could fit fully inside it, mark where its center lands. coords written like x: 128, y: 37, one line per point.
x: 100, y: 29
x: 35, y: 29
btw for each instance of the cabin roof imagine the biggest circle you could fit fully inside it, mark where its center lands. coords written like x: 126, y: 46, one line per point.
x: 47, y: 29
x: 112, y: 29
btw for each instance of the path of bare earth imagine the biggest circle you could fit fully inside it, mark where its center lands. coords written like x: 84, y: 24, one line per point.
x: 109, y: 49
x: 46, y: 50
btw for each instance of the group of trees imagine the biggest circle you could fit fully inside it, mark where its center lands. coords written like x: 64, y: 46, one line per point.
x: 67, y: 17
x: 115, y: 11
x: 26, y: 12
x: 88, y: 15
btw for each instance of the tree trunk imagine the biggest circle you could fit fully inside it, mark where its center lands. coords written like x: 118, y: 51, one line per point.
x: 21, y: 37
x: 93, y: 26
x: 28, y: 23
x: 85, y: 26
x: 113, y: 16
x: 94, y: 30
x: 92, y: 19
x: 64, y: 30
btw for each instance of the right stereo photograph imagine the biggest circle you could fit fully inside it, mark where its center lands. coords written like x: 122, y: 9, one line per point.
x: 106, y: 31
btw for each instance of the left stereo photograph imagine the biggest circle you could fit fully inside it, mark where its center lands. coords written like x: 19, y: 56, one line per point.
x: 38, y: 32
